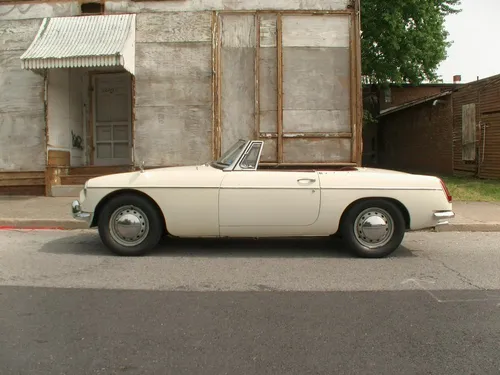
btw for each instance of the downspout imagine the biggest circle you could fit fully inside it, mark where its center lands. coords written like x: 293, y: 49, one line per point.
x: 48, y: 171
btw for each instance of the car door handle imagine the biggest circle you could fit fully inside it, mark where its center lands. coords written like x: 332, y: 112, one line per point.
x: 302, y: 180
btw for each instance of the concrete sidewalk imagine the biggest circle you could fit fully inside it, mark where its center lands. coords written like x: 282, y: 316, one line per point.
x: 55, y: 213
x: 38, y: 212
x: 474, y: 217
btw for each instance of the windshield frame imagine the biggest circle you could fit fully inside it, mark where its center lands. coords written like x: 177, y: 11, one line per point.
x: 231, y: 156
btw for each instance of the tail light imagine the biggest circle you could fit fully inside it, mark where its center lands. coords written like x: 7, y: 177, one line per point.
x: 446, y: 191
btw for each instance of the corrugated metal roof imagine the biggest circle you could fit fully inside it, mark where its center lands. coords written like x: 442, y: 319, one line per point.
x: 83, y: 41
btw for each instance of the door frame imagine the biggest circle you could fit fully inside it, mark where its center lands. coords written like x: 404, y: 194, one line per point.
x: 93, y: 75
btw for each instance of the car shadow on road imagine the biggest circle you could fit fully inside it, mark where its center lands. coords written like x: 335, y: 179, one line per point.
x: 325, y: 247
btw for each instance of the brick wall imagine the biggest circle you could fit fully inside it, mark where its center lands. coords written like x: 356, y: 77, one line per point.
x: 418, y: 139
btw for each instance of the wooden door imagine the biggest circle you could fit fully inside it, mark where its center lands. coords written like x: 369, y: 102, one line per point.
x: 112, y: 119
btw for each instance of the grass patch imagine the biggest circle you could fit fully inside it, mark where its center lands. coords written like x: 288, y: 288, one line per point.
x: 473, y: 189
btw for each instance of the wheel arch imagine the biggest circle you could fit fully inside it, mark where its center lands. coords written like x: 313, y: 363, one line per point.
x: 397, y: 203
x: 116, y: 193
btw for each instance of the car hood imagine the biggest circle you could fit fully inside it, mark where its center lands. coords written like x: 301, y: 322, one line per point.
x: 192, y: 176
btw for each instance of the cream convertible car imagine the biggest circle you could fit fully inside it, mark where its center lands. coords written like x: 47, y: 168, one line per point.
x: 231, y: 197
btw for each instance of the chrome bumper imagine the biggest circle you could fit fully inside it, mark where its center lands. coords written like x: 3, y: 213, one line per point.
x: 76, y: 211
x: 443, y: 216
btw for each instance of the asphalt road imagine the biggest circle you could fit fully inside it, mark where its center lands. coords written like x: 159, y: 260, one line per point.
x: 249, y: 307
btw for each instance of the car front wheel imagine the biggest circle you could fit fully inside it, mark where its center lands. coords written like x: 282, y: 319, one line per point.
x: 130, y: 225
x: 373, y: 229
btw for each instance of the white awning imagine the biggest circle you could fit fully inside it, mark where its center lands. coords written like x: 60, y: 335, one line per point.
x: 83, y: 41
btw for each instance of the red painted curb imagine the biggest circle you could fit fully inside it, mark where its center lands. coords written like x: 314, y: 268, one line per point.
x: 10, y: 227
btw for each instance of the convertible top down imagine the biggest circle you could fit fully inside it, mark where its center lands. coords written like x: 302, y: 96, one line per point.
x: 232, y: 197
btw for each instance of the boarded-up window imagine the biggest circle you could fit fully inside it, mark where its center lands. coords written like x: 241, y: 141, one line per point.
x: 469, y: 132
x: 316, y: 88
x: 238, y: 40
x: 286, y: 79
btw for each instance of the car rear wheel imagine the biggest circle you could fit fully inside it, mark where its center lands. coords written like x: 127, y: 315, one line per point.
x: 130, y: 225
x: 373, y: 229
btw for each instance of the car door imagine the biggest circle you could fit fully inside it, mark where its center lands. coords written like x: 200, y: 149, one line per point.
x: 260, y: 200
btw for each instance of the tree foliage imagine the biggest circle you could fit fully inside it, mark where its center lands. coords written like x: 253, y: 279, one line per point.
x: 404, y: 41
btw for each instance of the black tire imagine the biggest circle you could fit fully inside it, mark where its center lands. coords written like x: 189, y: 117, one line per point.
x: 353, y: 233
x: 141, y: 208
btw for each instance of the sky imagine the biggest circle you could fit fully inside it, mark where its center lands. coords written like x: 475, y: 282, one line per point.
x: 475, y: 33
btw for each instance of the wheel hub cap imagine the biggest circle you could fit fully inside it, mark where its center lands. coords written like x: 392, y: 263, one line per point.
x: 374, y: 228
x: 129, y: 226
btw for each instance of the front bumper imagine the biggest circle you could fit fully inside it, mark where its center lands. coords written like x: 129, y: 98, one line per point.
x: 442, y: 217
x: 78, y: 214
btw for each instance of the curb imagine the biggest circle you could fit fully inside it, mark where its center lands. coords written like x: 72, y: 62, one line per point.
x: 42, y: 224
x: 471, y: 227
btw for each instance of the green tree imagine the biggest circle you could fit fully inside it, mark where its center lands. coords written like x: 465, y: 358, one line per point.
x: 404, y: 41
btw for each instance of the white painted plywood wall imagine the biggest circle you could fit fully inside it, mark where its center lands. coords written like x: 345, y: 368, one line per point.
x: 37, y: 10
x: 173, y: 108
x: 237, y: 78
x: 22, y: 124
x: 310, y: 85
x: 119, y: 6
x: 316, y: 88
x: 22, y: 118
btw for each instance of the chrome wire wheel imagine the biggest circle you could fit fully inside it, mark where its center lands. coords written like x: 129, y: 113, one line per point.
x: 128, y: 226
x: 374, y: 228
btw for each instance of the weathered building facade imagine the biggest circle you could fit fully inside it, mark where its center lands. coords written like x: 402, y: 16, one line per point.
x: 174, y: 83
x: 379, y: 100
x: 454, y: 132
x: 476, y: 129
x: 417, y: 136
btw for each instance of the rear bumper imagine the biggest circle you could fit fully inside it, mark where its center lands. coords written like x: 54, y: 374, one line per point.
x: 78, y: 214
x: 442, y: 217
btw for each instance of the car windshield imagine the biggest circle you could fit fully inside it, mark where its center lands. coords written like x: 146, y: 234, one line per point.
x: 228, y: 157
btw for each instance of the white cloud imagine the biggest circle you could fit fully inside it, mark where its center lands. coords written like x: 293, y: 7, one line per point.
x: 475, y: 33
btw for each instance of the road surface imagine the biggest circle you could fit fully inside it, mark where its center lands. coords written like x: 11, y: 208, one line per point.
x: 249, y: 307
